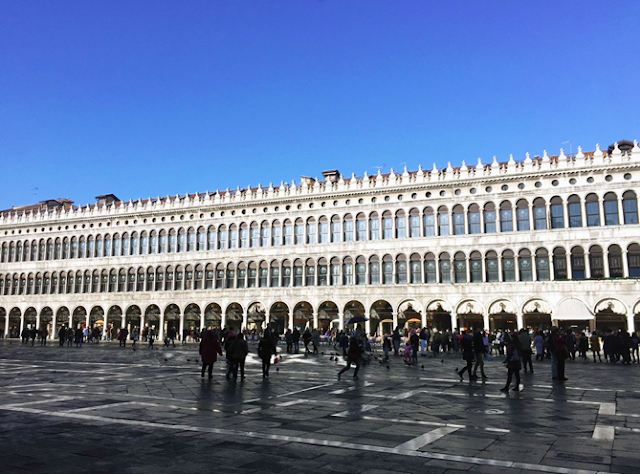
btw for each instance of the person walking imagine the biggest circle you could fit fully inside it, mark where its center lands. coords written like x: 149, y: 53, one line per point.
x: 122, y: 337
x: 561, y: 352
x: 353, y: 357
x: 525, y: 349
x: 209, y: 351
x: 135, y: 335
x: 538, y: 342
x: 480, y: 351
x: 265, y: 350
x: 512, y: 361
x: 239, y: 351
x: 296, y: 340
x: 62, y: 335
x: 396, y: 339
x: 467, y: 355
x: 594, y: 345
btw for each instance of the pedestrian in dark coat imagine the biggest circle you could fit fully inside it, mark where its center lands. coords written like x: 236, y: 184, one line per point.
x: 265, y: 349
x: 239, y: 350
x: 467, y: 355
x: 209, y: 351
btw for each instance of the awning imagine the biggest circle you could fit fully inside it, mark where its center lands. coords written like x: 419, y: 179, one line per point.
x: 572, y: 309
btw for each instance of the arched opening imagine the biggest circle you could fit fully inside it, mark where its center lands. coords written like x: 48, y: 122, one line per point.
x: 234, y: 314
x: 171, y: 318
x: 114, y: 322
x: 213, y: 316
x: 381, y: 318
x: 302, y: 315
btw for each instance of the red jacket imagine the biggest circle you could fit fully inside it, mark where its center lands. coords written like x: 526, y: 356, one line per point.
x: 209, y: 348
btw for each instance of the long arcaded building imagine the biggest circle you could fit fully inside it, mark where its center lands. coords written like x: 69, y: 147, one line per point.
x: 499, y: 245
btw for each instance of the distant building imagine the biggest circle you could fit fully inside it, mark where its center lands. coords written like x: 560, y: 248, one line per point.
x: 496, y: 245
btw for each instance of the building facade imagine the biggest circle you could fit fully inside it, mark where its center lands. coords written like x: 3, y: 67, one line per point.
x: 550, y: 239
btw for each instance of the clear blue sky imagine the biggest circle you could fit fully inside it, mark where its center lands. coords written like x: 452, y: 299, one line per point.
x: 146, y: 98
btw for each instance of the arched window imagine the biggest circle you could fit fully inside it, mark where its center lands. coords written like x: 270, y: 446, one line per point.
x: 212, y: 238
x: 615, y: 262
x: 117, y: 245
x: 429, y: 222
x: 241, y: 275
x: 506, y: 217
x: 458, y: 220
x: 415, y: 269
x: 220, y: 276
x: 150, y: 278
x: 475, y: 267
x: 65, y: 248
x: 542, y: 264
x: 335, y: 229
x: 135, y: 244
x: 299, y: 232
x: 82, y: 247
x: 489, y: 218
x: 230, y: 276
x: 577, y: 263
x: 556, y: 210
x: 276, y: 234
x: 310, y: 272
x: 311, y: 231
x: 126, y: 245
x: 539, y: 214
x: 361, y: 227
x: 208, y: 277
x: 254, y: 235
x: 387, y: 270
x: 347, y: 271
x: 202, y: 239
x: 264, y: 234
x: 191, y: 240
x: 298, y: 272
x: 401, y: 269
x: 443, y: 220
x: 574, y: 211
x: 252, y: 274
x: 374, y: 270
x: 525, y: 265
x: 630, y: 207
x: 288, y: 232
x: 473, y: 216
x: 223, y: 239
x: 263, y: 274
x: 234, y: 237
x: 401, y: 225
x: 460, y: 267
x: 168, y: 278
x: 430, y: 273
x: 611, y: 209
x: 508, y: 266
x: 286, y: 273
x: 323, y: 230
x: 592, y: 210
x: 361, y: 270
x: 348, y: 228
x: 274, y: 274
x: 492, y: 267
x: 323, y: 272
x: 445, y: 268
x: 414, y: 223
x: 633, y: 260
x: 244, y: 235
x: 596, y: 262
x: 387, y: 225
x: 335, y: 271
x: 374, y: 226
x: 140, y: 280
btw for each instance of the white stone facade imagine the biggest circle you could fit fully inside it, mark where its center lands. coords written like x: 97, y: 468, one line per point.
x: 498, y: 245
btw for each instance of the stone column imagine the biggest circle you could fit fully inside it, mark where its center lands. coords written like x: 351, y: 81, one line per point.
x: 160, y: 332
x: 22, y: 321
x: 454, y: 320
x: 485, y: 319
x: 245, y: 317
x: 181, y: 325
x: 625, y: 264
x: 104, y: 324
x: 519, y: 320
x: 53, y: 325
x: 341, y: 320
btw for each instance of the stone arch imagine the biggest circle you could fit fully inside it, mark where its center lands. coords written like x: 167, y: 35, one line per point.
x: 213, y: 316
x: 409, y: 314
x: 133, y: 316
x: 328, y: 311
x: 438, y: 314
x: 256, y: 317
x: 279, y: 317
x: 381, y: 317
x: 79, y: 318
x: 502, y: 315
x: 114, y: 322
x: 30, y: 317
x: 96, y: 317
x: 536, y: 314
x: 611, y: 313
x: 470, y: 315
x: 234, y: 316
x: 192, y: 317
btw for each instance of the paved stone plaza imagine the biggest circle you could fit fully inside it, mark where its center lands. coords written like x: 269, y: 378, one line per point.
x: 105, y: 409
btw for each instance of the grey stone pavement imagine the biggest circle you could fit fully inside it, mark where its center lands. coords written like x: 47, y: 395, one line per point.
x: 106, y: 409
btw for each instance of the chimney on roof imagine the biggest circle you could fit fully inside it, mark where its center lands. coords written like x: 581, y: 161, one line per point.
x: 106, y: 199
x: 331, y: 175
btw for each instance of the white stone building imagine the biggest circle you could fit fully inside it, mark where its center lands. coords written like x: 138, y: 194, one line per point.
x: 492, y: 244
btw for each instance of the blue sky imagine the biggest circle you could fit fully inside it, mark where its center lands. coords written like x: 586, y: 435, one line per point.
x: 157, y: 97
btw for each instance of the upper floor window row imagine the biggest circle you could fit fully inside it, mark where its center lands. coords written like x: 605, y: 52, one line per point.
x: 524, y: 216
